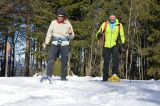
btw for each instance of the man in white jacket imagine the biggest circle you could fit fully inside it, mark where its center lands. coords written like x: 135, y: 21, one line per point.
x: 59, y: 34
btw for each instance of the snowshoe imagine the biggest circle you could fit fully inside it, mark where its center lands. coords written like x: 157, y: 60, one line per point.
x: 46, y: 78
x: 114, y: 78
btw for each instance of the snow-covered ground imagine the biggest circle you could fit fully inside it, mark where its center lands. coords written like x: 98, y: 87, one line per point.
x: 77, y: 91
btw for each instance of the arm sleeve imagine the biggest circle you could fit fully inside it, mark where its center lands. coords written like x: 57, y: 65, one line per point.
x: 122, y: 34
x: 49, y: 34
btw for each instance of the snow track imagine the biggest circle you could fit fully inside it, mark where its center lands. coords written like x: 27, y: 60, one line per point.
x: 77, y: 91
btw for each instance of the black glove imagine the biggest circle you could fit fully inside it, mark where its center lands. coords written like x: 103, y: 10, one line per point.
x: 100, y: 34
x: 123, y: 47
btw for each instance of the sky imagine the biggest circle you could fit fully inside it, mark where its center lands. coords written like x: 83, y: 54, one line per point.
x: 77, y: 91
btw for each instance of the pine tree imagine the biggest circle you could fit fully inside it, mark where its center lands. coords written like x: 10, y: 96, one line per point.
x: 152, y: 49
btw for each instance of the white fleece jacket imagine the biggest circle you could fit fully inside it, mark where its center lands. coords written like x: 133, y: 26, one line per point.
x: 59, y: 30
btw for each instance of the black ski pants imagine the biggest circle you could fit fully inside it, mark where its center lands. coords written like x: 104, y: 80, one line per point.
x: 107, y: 53
x: 52, y: 54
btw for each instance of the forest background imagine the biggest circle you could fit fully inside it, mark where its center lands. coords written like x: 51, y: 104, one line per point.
x: 24, y: 23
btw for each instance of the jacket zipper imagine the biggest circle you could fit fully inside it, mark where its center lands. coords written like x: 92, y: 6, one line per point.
x: 111, y: 35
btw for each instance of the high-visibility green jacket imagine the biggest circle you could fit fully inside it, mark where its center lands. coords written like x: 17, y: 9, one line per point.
x: 110, y: 37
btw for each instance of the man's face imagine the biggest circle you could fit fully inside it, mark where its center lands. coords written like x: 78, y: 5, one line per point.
x: 112, y: 18
x: 60, y: 17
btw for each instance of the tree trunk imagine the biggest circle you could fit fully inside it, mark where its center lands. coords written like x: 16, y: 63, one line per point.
x: 130, y: 65
x: 91, y: 55
x: 27, y: 52
x: 5, y: 73
x: 127, y: 53
x: 13, y: 55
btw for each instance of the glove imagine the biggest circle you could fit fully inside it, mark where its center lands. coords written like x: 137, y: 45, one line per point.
x: 100, y: 34
x: 124, y: 47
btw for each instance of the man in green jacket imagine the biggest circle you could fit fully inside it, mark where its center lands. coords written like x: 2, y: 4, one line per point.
x: 108, y: 34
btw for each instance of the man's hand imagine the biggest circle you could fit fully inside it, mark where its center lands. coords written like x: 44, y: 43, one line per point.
x: 124, y: 47
x: 100, y: 34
